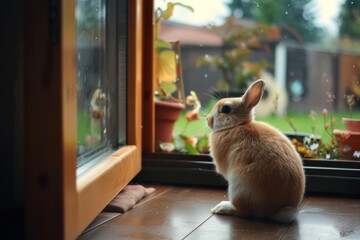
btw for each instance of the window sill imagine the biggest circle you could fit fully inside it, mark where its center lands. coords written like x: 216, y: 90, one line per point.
x: 97, y: 186
x: 322, y: 176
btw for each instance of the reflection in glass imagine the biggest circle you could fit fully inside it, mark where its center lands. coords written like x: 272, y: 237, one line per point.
x: 92, y: 103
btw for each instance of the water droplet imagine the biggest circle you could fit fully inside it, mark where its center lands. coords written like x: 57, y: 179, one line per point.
x: 352, y: 2
x: 96, y: 38
x: 206, y: 56
x: 327, y: 80
x: 353, y: 66
x: 205, y: 75
x: 286, y: 13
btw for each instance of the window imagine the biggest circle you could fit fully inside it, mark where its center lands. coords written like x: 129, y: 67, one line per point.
x: 311, y: 63
x: 101, y: 79
x: 55, y: 196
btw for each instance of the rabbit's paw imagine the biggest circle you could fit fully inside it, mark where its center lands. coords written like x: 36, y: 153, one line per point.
x: 224, y: 208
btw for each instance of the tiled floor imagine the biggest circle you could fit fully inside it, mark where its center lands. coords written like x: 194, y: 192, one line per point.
x: 184, y: 213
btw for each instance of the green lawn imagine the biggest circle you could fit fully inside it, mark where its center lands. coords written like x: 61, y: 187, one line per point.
x: 302, y: 123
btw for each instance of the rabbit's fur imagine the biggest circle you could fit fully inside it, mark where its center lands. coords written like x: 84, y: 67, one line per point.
x: 264, y: 171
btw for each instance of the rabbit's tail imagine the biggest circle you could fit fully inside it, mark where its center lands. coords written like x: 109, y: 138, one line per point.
x: 285, y: 215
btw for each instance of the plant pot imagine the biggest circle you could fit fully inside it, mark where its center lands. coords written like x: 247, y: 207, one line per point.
x: 349, y: 140
x: 349, y: 144
x: 166, y: 114
x: 352, y: 124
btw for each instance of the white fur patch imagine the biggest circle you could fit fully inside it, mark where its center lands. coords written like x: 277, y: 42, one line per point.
x: 236, y: 186
x: 224, y: 208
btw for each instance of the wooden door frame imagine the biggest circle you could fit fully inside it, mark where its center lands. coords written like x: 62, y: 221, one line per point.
x: 58, y: 205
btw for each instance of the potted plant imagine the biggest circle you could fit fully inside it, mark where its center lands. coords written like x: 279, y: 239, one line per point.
x: 169, y: 90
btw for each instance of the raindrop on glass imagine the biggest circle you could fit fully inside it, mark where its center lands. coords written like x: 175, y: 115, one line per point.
x: 286, y: 13
x: 205, y: 75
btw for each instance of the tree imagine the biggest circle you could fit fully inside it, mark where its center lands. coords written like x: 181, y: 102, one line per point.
x: 293, y: 15
x: 350, y: 19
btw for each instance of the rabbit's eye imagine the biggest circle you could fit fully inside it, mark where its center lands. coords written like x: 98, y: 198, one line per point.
x: 225, y: 109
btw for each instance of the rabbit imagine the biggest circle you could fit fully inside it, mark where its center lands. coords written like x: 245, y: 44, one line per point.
x: 264, y: 172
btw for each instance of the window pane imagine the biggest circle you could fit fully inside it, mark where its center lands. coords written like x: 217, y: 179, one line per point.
x: 101, y: 78
x: 93, y: 98
x: 308, y: 51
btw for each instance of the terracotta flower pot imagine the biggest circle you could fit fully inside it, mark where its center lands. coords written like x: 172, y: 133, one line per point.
x: 349, y: 140
x: 166, y: 114
x: 349, y: 144
x: 352, y: 124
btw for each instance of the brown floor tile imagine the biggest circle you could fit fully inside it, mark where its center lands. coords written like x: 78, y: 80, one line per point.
x: 230, y: 227
x: 311, y: 225
x: 184, y: 212
x: 332, y: 205
x: 169, y: 216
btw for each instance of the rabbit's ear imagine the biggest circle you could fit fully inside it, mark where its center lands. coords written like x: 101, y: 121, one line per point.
x: 253, y: 94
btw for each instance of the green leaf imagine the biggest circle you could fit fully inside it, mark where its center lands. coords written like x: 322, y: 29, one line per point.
x: 169, y: 88
x: 166, y: 14
x: 184, y: 6
x: 162, y: 45
x: 189, y: 148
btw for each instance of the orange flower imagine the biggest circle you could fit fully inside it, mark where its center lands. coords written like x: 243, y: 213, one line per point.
x: 193, y: 141
x: 192, y: 115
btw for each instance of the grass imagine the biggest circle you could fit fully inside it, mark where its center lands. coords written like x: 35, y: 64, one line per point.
x: 83, y: 127
x: 301, y: 121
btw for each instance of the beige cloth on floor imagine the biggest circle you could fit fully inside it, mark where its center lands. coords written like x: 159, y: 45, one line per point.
x: 127, y: 198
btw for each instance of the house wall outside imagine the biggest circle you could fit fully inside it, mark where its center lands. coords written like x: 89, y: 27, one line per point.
x: 323, y: 72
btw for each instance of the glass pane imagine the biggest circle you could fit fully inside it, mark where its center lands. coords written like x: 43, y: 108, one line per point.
x: 93, y: 97
x: 308, y: 51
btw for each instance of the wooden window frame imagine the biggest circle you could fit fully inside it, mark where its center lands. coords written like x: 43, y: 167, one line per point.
x: 322, y: 176
x: 58, y: 204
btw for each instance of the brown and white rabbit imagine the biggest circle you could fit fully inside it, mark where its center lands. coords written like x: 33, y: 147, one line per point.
x: 264, y: 172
